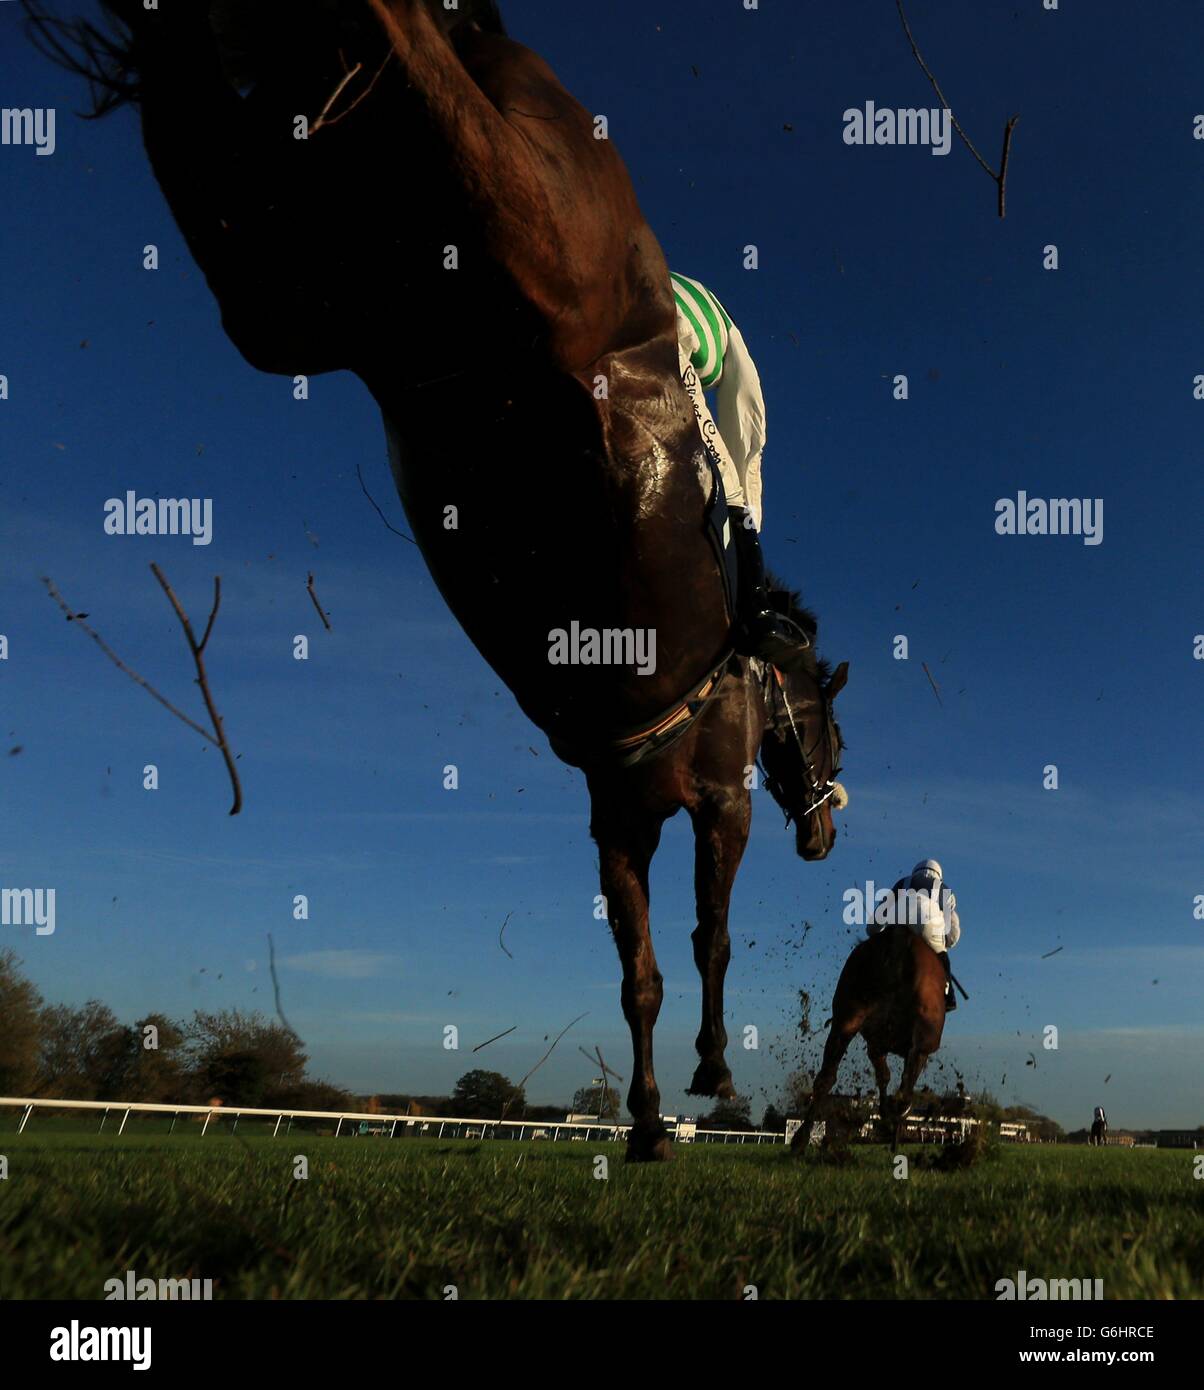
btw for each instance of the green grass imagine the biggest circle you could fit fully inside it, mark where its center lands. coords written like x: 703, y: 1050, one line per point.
x: 377, y: 1219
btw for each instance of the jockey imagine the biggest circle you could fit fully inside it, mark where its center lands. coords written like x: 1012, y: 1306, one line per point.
x: 926, y: 904
x: 712, y: 353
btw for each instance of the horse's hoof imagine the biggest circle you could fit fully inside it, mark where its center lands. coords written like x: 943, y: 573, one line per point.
x: 648, y: 1148
x: 712, y: 1079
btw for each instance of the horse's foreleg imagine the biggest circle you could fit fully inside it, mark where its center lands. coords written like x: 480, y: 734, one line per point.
x: 720, y: 836
x: 624, y: 856
x: 839, y: 1038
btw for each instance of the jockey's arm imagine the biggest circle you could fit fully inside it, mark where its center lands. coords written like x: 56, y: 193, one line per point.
x: 740, y: 405
x: 953, y: 928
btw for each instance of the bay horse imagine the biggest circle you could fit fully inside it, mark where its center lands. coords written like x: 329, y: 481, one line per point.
x: 892, y: 992
x: 398, y: 189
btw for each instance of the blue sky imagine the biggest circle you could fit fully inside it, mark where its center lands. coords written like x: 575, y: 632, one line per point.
x: 873, y: 262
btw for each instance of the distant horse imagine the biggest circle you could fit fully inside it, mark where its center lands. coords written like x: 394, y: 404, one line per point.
x: 398, y: 189
x: 892, y: 992
x: 1099, y: 1132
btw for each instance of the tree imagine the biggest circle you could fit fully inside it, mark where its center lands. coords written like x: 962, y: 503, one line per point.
x: 157, y: 1068
x: 735, y: 1113
x: 142, y: 1062
x: 485, y: 1095
x: 80, y: 1052
x: 796, y: 1092
x: 20, y: 1028
x: 222, y: 1046
x: 773, y: 1120
x: 588, y: 1099
x: 235, y: 1078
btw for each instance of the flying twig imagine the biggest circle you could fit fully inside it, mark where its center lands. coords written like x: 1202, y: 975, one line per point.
x: 276, y: 988
x: 999, y: 178
x: 1054, y: 952
x: 495, y: 1037
x: 309, y: 589
x: 540, y: 1063
x: 322, y: 120
x: 216, y: 735
x: 379, y: 513
x: 932, y: 683
x: 198, y: 649
x: 500, y: 942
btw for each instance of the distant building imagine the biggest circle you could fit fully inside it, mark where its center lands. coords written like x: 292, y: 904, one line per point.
x: 1014, y: 1131
x: 1178, y: 1138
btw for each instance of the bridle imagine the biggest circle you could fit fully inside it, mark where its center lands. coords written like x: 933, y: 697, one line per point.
x: 817, y: 791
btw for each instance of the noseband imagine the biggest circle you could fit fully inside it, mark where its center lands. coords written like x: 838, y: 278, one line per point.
x: 817, y: 792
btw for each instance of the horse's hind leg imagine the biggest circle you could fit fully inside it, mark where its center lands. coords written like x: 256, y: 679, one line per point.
x: 882, y: 1075
x: 839, y: 1037
x: 624, y: 854
x: 912, y: 1067
x: 720, y: 835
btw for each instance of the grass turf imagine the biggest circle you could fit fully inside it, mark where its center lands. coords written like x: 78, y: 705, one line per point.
x: 500, y: 1219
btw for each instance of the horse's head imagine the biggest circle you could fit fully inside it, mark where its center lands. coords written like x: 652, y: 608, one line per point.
x: 801, y: 746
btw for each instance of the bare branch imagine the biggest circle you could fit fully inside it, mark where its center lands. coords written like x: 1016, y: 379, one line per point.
x: 121, y: 666
x: 379, y: 513
x: 932, y: 683
x: 495, y: 1037
x: 217, y: 735
x: 203, y: 680
x: 1003, y: 164
x: 542, y: 1060
x: 217, y: 602
x: 276, y: 988
x: 309, y: 589
x: 322, y: 120
x: 1000, y: 178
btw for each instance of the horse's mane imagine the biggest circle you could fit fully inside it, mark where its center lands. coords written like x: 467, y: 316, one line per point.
x: 104, y: 55
x: 788, y: 601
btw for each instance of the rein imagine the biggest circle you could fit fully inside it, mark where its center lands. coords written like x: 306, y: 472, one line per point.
x: 816, y: 792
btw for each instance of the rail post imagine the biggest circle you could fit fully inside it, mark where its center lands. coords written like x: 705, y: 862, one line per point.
x: 121, y: 1127
x: 25, y: 1119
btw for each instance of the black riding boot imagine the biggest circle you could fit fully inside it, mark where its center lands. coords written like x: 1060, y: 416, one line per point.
x: 950, y: 992
x: 760, y: 629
